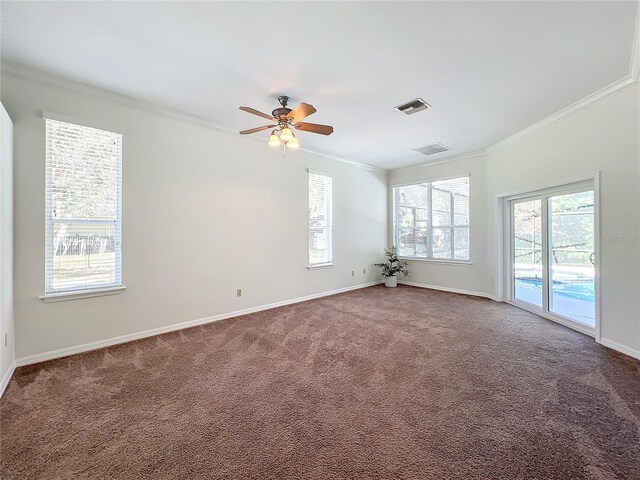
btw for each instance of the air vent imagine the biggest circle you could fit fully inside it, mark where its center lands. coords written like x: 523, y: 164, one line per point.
x: 431, y: 149
x: 414, y: 106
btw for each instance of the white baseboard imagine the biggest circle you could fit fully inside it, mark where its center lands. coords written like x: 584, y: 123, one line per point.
x: 86, y: 347
x: 604, y: 341
x: 447, y: 289
x: 7, y: 378
x: 620, y: 348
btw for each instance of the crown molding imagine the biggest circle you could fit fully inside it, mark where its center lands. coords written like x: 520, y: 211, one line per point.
x: 452, y: 158
x: 50, y: 79
x: 614, y: 88
x: 606, y: 92
x: 462, y: 156
x: 353, y: 163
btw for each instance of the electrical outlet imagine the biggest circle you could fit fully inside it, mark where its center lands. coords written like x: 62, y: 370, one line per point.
x: 353, y: 273
x: 239, y: 292
x: 364, y: 271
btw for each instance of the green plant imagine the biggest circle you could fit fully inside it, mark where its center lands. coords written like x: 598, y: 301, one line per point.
x: 393, y: 265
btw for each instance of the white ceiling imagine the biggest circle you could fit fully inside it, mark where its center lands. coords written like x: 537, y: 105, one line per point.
x: 489, y: 69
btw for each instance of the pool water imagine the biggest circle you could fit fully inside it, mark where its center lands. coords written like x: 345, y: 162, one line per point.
x: 574, y: 299
x: 583, y: 290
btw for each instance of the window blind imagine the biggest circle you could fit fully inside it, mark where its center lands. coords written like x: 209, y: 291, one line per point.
x: 320, y: 237
x: 83, y: 208
x: 431, y: 219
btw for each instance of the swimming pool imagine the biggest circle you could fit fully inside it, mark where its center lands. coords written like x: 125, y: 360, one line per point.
x: 574, y: 299
x: 580, y: 289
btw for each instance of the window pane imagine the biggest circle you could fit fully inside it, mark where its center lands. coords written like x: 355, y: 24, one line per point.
x: 441, y: 207
x: 319, y: 199
x: 320, y: 213
x: 428, y: 215
x: 572, y: 256
x: 441, y: 219
x: 83, y: 256
x: 83, y: 198
x: 460, y: 209
x: 442, y: 243
x: 412, y: 243
x: 319, y: 245
x: 527, y: 251
x: 406, y: 217
x: 461, y: 243
x: 412, y: 196
x: 84, y: 164
x: 412, y: 217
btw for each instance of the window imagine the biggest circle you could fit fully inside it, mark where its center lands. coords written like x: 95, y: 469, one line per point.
x: 431, y: 220
x: 320, y: 247
x: 83, y: 208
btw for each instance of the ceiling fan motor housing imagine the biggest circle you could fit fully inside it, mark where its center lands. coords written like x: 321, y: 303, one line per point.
x: 281, y: 113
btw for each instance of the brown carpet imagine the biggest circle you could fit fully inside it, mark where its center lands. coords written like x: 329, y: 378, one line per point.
x: 376, y: 383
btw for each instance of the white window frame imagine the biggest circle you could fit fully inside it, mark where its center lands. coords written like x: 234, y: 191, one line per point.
x: 315, y: 266
x: 395, y: 215
x: 116, y: 287
x: 504, y: 248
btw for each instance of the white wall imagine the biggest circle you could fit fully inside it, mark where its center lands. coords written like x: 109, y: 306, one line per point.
x: 605, y: 137
x: 204, y: 212
x: 7, y: 356
x: 463, y: 277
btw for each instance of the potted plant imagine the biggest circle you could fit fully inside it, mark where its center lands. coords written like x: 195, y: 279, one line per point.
x: 392, y: 267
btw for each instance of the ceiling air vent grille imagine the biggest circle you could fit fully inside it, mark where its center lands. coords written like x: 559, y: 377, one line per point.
x: 431, y: 149
x: 414, y: 106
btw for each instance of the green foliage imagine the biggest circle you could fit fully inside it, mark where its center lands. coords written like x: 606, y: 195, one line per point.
x: 393, y: 265
x: 570, y: 227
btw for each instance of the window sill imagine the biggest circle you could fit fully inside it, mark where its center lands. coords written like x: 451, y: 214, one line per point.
x: 319, y: 266
x: 65, y: 296
x: 438, y: 261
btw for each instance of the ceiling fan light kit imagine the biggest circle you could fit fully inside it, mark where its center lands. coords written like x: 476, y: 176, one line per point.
x: 285, y: 118
x: 274, y: 140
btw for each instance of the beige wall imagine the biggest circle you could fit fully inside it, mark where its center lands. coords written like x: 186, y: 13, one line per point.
x: 204, y: 212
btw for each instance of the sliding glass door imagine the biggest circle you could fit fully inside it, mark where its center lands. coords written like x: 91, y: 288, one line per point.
x: 572, y: 256
x: 527, y: 251
x: 552, y: 264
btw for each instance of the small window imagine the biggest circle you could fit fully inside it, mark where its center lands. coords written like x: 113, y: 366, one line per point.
x: 431, y: 220
x: 320, y: 219
x: 83, y: 208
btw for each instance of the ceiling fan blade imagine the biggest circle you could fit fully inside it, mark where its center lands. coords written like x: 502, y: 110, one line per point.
x: 256, y: 112
x: 301, y: 111
x: 257, y: 129
x: 314, y: 128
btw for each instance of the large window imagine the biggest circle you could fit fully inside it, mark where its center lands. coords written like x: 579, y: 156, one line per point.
x: 431, y: 220
x: 83, y: 208
x: 320, y: 214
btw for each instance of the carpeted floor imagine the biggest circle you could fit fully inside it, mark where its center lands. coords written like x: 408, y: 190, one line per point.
x: 376, y: 383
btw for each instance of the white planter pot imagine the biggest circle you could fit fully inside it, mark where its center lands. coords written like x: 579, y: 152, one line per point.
x: 391, y: 281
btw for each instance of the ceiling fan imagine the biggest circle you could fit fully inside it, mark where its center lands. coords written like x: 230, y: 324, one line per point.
x: 283, y: 119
